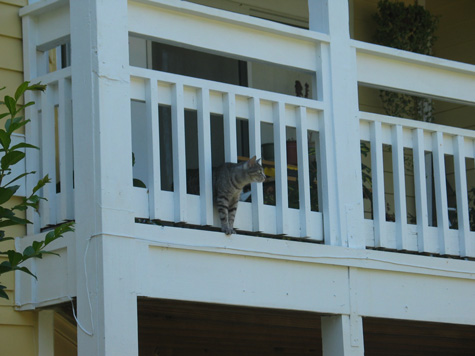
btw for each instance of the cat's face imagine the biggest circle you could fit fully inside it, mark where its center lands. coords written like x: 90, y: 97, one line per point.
x: 255, y: 170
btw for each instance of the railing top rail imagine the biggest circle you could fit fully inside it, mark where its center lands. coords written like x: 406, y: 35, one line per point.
x: 143, y: 73
x: 237, y: 19
x: 41, y: 7
x: 53, y: 76
x: 413, y: 124
x: 411, y: 57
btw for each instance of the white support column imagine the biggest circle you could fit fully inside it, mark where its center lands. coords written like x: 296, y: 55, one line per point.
x: 46, y: 333
x: 338, y: 338
x: 103, y: 178
x: 337, y: 87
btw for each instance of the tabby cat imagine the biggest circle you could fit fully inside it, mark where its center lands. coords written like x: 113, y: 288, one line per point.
x: 228, y: 181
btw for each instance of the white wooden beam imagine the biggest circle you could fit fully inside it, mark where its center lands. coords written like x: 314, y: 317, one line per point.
x: 389, y: 68
x: 337, y: 338
x: 337, y: 86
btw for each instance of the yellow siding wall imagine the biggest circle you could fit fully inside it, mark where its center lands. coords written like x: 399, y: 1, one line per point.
x: 17, y: 330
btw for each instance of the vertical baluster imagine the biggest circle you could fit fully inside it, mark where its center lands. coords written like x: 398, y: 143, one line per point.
x: 230, y: 144
x: 440, y: 191
x: 462, y: 196
x: 32, y: 130
x: 255, y: 149
x: 304, y: 177
x: 204, y: 153
x: 153, y: 147
x: 33, y: 157
x: 179, y: 153
x: 65, y: 129
x: 377, y: 176
x: 399, y: 187
x: 48, y: 208
x: 422, y: 214
x: 280, y: 139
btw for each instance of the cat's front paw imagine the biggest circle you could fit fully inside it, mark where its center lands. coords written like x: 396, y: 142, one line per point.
x: 228, y: 230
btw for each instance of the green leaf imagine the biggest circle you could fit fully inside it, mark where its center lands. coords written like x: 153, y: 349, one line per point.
x: 4, y: 115
x: 5, y: 139
x: 14, y: 258
x: 37, y: 87
x: 29, y: 251
x: 10, y: 103
x: 138, y: 183
x: 21, y: 89
x: 7, y: 192
x: 58, y: 232
x: 24, y: 145
x: 26, y: 270
x: 19, y: 177
x: 2, y: 292
x: 41, y: 183
x: 11, y: 158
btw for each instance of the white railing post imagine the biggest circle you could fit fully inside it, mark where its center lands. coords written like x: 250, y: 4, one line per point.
x: 377, y: 177
x: 465, y: 244
x: 255, y: 149
x: 230, y: 145
x: 303, y: 174
x: 440, y: 191
x: 179, y: 152
x: 103, y: 178
x: 48, y: 157
x: 399, y: 187
x: 153, y: 145
x: 338, y: 83
x: 420, y: 185
x: 204, y: 158
x: 65, y: 130
x: 280, y: 139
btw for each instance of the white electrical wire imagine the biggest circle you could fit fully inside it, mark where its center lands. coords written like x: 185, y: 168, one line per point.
x: 90, y: 333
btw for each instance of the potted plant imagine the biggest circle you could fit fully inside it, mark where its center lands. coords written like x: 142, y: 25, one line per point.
x: 410, y: 28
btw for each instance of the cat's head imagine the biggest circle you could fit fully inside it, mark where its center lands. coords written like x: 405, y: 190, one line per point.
x: 255, y: 170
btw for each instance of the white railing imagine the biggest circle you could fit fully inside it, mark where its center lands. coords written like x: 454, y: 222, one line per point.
x: 430, y: 144
x: 51, y: 130
x: 232, y: 102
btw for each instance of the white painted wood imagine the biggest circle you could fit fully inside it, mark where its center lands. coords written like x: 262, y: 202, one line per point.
x: 420, y: 189
x: 153, y: 144
x: 205, y: 162
x: 179, y: 161
x: 327, y: 160
x: 441, y: 192
x: 245, y: 36
x: 103, y: 173
x: 282, y: 201
x: 339, y: 85
x: 303, y: 174
x: 399, y: 187
x: 229, y: 117
x: 53, y: 27
x: 414, y: 124
x: 48, y: 152
x: 65, y: 130
x: 166, y: 79
x: 377, y: 176
x: 391, y: 69
x: 46, y: 333
x: 465, y: 243
x: 318, y: 16
x: 255, y: 150
x: 337, y: 336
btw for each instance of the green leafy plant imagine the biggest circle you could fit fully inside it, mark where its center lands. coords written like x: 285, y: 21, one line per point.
x: 12, y: 155
x: 410, y: 28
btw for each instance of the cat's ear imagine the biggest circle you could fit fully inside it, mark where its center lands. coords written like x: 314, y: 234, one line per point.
x: 252, y: 161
